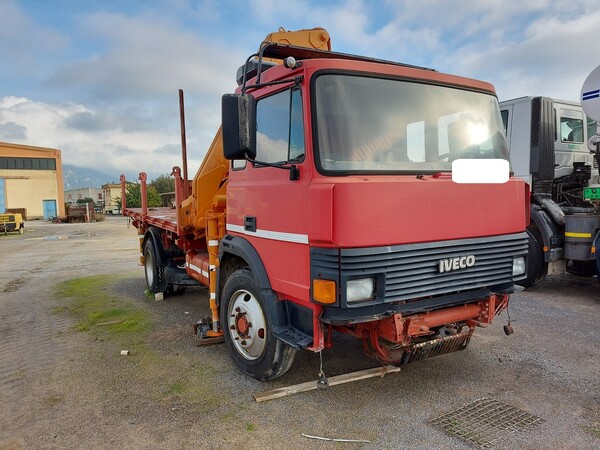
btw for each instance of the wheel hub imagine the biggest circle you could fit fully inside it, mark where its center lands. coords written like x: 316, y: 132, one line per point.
x: 242, y: 325
x: 247, y: 325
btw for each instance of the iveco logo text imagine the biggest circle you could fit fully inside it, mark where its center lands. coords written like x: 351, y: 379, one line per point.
x: 460, y: 262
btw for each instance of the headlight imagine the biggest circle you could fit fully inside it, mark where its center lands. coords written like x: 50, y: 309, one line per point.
x: 360, y: 290
x: 518, y: 266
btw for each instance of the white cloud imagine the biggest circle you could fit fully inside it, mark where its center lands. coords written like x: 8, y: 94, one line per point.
x: 127, y: 101
x: 107, y: 149
x: 551, y: 58
x: 148, y: 57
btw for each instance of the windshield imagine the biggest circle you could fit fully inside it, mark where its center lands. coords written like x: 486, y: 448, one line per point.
x: 369, y: 124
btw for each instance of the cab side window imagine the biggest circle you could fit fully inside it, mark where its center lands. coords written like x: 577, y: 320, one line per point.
x: 280, y: 128
x: 571, y: 130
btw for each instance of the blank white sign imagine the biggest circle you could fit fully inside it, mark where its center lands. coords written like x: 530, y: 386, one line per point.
x: 487, y: 171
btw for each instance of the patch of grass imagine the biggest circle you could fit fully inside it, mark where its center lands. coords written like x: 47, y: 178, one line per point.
x: 97, y: 311
x: 125, y: 323
x: 176, y: 388
x: 188, y: 383
x: 250, y: 427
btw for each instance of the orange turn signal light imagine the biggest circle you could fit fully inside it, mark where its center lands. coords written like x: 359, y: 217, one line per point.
x: 324, y: 291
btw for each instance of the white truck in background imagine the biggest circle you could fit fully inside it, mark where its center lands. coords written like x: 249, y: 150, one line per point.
x: 548, y: 142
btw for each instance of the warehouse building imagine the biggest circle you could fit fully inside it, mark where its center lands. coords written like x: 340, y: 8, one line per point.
x: 31, y: 181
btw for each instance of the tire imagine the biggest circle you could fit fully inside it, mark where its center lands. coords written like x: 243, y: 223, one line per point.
x: 247, y: 330
x: 153, y: 268
x: 597, y: 246
x: 582, y: 268
x: 537, y: 268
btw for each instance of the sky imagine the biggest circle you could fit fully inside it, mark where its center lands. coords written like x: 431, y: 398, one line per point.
x: 99, y: 79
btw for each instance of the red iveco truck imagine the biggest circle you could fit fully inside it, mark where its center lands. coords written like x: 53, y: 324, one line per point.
x: 326, y: 204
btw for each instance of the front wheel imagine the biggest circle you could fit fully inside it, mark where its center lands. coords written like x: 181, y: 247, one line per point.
x: 537, y: 268
x: 247, y: 330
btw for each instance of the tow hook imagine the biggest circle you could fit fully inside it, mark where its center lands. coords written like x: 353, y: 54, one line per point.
x: 322, y: 382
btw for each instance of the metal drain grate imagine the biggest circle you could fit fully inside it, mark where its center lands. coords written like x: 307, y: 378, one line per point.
x: 485, y: 421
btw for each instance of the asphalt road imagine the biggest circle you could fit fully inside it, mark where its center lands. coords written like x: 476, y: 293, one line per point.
x: 62, y: 388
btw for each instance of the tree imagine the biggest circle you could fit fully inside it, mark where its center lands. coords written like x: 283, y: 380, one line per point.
x: 86, y: 200
x: 133, y: 196
x: 163, y: 184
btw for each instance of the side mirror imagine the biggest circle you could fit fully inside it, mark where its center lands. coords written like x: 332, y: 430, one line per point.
x: 239, y: 126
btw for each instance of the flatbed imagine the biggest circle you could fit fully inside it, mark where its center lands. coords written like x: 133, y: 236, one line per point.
x: 163, y: 217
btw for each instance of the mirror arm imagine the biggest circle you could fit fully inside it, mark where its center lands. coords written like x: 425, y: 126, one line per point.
x: 294, y: 171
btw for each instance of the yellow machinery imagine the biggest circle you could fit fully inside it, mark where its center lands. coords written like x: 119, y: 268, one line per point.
x: 11, y: 222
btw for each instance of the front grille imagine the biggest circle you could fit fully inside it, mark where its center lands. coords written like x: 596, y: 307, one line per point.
x: 411, y: 271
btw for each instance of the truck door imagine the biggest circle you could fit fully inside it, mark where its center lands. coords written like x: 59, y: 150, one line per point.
x: 264, y: 204
x: 570, y: 142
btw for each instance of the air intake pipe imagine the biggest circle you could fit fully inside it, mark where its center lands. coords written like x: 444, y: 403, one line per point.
x: 551, y: 208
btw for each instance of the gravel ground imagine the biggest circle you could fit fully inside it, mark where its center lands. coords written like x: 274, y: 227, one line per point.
x: 63, y: 388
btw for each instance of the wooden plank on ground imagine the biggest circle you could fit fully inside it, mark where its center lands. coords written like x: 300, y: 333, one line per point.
x: 312, y: 385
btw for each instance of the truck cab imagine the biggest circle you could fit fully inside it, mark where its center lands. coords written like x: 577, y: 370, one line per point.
x: 548, y: 144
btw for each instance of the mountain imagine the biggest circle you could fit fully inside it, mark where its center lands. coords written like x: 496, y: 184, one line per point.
x: 80, y: 177
x: 75, y: 177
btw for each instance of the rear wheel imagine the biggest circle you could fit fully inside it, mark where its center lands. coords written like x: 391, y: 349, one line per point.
x: 153, y: 268
x: 536, y: 266
x: 247, y: 330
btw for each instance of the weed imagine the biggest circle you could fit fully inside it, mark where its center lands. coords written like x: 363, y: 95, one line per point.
x: 17, y: 375
x: 592, y: 430
x: 52, y: 400
x: 250, y: 427
x: 176, y: 388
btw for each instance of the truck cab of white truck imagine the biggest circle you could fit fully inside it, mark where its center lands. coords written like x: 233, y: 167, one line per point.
x: 548, y: 142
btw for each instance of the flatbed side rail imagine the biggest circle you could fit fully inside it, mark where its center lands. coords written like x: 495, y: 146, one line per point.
x: 164, y: 218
